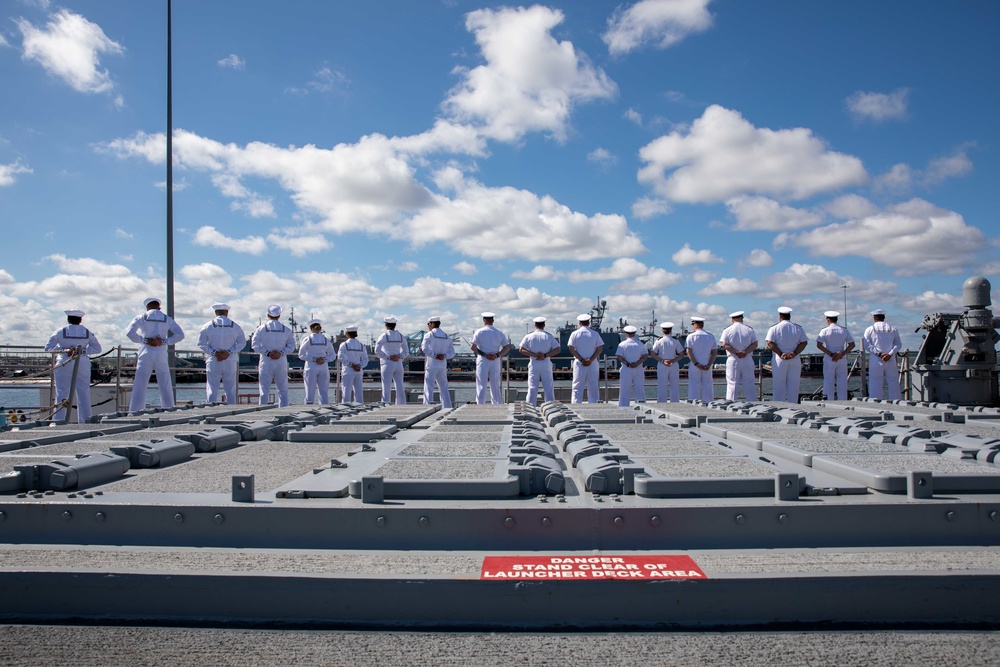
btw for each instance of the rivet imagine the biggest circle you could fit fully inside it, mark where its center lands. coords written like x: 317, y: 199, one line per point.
x: 546, y: 521
x: 993, y: 515
x: 178, y: 518
x: 950, y: 516
x: 3, y: 516
x: 100, y: 516
x: 740, y: 519
x: 508, y: 522
x: 424, y: 522
x: 655, y: 520
x: 218, y: 518
x: 380, y: 522
x: 67, y: 515
x: 782, y: 518
x: 619, y: 521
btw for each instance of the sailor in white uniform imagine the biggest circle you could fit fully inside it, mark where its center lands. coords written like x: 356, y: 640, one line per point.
x: 834, y: 341
x: 221, y: 340
x: 632, y: 376
x: 391, y: 349
x: 154, y: 331
x: 668, y: 352
x: 739, y: 341
x: 438, y: 348
x: 71, y: 342
x: 881, y: 342
x: 786, y: 340
x: 489, y: 345
x: 353, y: 359
x: 702, y: 350
x: 316, y: 350
x: 540, y: 346
x: 586, y: 346
x: 273, y: 341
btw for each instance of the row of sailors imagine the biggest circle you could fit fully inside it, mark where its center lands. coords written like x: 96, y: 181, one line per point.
x: 221, y: 339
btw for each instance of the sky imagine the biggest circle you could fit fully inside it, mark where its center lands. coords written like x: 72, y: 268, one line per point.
x: 356, y: 160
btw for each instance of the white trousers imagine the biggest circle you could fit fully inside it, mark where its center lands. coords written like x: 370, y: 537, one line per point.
x: 225, y: 373
x: 275, y: 370
x: 351, y: 385
x: 64, y: 378
x: 540, y: 372
x: 151, y: 360
x: 700, y: 384
x: 392, y: 375
x: 631, y: 385
x: 488, y: 381
x: 668, y: 383
x: 316, y: 378
x: 880, y: 372
x: 835, y: 378
x: 586, y: 377
x: 785, y: 377
x: 739, y: 373
x: 436, y: 375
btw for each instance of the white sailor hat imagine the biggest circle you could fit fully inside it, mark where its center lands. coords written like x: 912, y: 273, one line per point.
x: 630, y: 329
x: 488, y: 315
x: 785, y: 310
x: 150, y: 300
x: 220, y: 306
x: 583, y: 317
x: 434, y: 318
x: 390, y: 320
x: 312, y: 322
x: 696, y: 318
x: 667, y: 325
x: 878, y: 311
x: 74, y: 313
x: 274, y: 311
x: 539, y: 320
x: 351, y: 329
x: 738, y: 313
x: 831, y: 313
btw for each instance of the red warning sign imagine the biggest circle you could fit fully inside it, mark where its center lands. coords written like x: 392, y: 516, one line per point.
x: 590, y: 567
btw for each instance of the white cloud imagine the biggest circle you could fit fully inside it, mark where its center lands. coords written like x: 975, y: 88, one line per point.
x: 122, y: 234
x: 86, y: 266
x: 5, y: 277
x: 232, y: 61
x: 901, y: 177
x: 408, y: 266
x: 530, y: 81
x: 325, y: 80
x: 850, y: 206
x: 9, y: 171
x: 914, y: 237
x: 801, y: 279
x: 762, y: 213
x: 466, y: 268
x: 211, y: 237
x: 661, y: 23
x: 647, y: 207
x: 602, y: 157
x: 633, y: 116
x: 620, y: 269
x: 69, y: 47
x: 932, y: 302
x: 730, y: 286
x: 686, y: 256
x: 653, y: 279
x: 879, y: 107
x: 723, y: 156
x: 702, y: 276
x: 539, y: 272
x: 299, y: 244
x: 758, y: 257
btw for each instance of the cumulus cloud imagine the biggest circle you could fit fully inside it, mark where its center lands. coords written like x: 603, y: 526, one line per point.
x: 722, y: 156
x: 901, y: 177
x: 5, y: 277
x: 602, y: 157
x: 86, y: 266
x: 530, y: 81
x: 933, y: 302
x: 466, y: 268
x: 879, y: 107
x: 620, y: 269
x: 660, y: 23
x: 688, y: 255
x: 69, y: 47
x: 648, y: 207
x: 9, y: 171
x: 730, y: 286
x: 633, y: 116
x: 539, y: 272
x: 762, y: 213
x: 801, y: 279
x: 232, y: 61
x: 299, y: 244
x: 850, y: 206
x: 914, y: 237
x: 758, y: 257
x: 213, y: 238
x: 324, y: 80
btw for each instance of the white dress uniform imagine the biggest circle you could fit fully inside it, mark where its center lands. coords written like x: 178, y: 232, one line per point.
x: 786, y: 373
x: 882, y: 338
x: 835, y: 338
x: 586, y: 342
x: 668, y: 378
x: 353, y: 353
x: 273, y: 336
x: 631, y: 380
x: 392, y: 344
x: 151, y: 325
x: 62, y: 341
x: 489, y: 340
x: 540, y: 341
x: 701, y: 343
x: 316, y: 374
x: 221, y: 334
x: 739, y: 372
x: 436, y: 342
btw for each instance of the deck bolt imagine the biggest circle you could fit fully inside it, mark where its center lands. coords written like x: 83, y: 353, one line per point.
x: 655, y: 520
x: 993, y: 515
x: 619, y: 521
x: 508, y: 522
x: 950, y: 516
x: 782, y: 518
x: 546, y: 522
x: 178, y: 518
x: 218, y: 518
x: 740, y: 519
x: 100, y: 516
x: 424, y: 522
x: 67, y: 515
x: 3, y: 516
x: 380, y: 522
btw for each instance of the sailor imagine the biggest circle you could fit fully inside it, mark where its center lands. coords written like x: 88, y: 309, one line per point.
x: 353, y: 359
x: 540, y: 346
x: 316, y: 350
x: 391, y: 349
x: 221, y: 340
x: 702, y: 349
x: 667, y: 351
x: 834, y: 341
x: 586, y: 346
x: 881, y: 342
x: 154, y: 331
x: 786, y: 340
x: 489, y: 345
x: 438, y: 348
x: 73, y: 341
x: 632, y: 376
x: 739, y: 341
x: 273, y: 341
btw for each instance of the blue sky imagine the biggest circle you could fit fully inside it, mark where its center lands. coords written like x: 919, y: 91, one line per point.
x: 355, y: 160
